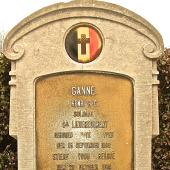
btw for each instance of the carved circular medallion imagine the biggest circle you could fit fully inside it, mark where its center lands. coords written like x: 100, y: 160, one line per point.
x: 83, y: 43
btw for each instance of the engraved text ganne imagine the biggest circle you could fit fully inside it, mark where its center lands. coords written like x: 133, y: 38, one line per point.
x: 83, y: 90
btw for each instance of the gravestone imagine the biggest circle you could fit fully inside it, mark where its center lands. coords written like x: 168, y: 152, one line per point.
x: 84, y: 87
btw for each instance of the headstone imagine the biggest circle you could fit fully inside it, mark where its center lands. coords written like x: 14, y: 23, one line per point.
x: 84, y: 88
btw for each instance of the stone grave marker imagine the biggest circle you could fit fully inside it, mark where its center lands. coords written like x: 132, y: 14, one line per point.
x: 84, y: 88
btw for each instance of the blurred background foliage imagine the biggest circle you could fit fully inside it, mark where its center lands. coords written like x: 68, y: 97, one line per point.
x: 161, y: 143
x: 8, y: 145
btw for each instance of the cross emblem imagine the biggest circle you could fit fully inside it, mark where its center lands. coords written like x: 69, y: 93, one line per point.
x: 83, y: 41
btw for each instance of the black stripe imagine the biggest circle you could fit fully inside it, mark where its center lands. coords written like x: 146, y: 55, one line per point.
x: 71, y: 45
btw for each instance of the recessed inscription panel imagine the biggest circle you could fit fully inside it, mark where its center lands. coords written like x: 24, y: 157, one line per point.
x: 84, y: 121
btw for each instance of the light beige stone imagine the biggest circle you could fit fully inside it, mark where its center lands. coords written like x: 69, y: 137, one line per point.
x: 36, y: 48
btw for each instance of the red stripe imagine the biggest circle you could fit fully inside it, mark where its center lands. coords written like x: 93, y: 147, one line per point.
x: 95, y: 43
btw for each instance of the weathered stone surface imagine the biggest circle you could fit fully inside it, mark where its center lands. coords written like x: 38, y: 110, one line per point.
x: 36, y: 47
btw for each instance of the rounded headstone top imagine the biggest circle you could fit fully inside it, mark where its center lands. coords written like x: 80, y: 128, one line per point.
x: 82, y: 8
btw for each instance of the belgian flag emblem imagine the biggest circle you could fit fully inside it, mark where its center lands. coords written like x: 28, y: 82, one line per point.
x: 83, y: 44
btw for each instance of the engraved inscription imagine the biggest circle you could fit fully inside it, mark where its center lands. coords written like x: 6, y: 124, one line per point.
x: 83, y: 123
x: 83, y: 90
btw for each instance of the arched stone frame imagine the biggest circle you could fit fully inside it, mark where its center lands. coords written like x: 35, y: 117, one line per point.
x: 146, y: 103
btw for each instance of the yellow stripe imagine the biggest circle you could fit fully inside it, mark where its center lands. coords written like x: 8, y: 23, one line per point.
x: 86, y: 57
